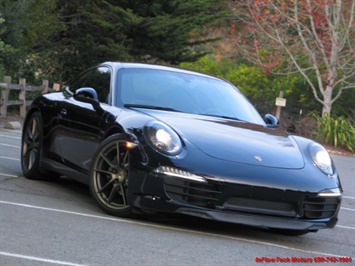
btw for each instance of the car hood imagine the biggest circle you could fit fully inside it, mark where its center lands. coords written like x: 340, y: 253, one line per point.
x: 235, y: 141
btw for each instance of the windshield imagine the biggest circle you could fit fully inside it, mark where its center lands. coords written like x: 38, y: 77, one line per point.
x: 184, y: 92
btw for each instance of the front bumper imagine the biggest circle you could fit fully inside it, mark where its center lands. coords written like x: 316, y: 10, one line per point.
x: 153, y: 204
x: 295, y: 199
x: 240, y: 204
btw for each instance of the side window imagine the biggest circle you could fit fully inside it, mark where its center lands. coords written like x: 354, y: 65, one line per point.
x: 98, y: 79
x: 78, y: 83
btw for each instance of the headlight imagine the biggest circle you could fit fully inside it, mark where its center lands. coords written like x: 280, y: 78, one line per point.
x: 163, y: 138
x: 321, y: 158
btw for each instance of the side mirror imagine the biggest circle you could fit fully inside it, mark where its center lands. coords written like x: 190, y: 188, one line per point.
x: 271, y: 121
x: 88, y: 95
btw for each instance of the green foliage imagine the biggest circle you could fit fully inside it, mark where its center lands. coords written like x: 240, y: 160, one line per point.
x: 59, y: 38
x: 41, y: 22
x: 255, y: 85
x: 205, y: 65
x: 23, y: 25
x: 95, y: 31
x: 344, y: 106
x: 8, y: 57
x: 163, y: 28
x: 14, y: 13
x: 338, y: 132
x: 8, y: 53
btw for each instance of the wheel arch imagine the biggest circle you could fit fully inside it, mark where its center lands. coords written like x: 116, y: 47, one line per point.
x: 33, y: 109
x: 112, y: 131
x: 30, y: 112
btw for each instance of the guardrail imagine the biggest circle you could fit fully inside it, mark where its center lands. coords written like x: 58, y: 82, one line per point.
x: 21, y: 88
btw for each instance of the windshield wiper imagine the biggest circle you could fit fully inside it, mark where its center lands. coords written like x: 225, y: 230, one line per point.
x: 224, y: 116
x: 129, y: 105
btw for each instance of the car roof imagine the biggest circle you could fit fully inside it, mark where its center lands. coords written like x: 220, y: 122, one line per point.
x: 121, y: 65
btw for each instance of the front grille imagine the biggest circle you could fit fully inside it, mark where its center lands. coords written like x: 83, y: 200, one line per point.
x: 200, y: 194
x: 263, y: 206
x: 209, y: 196
x: 318, y: 208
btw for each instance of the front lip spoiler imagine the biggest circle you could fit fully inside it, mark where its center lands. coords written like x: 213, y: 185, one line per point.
x: 259, y: 220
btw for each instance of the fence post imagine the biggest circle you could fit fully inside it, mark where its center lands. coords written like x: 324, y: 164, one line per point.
x: 56, y: 86
x: 5, y: 96
x: 22, y: 97
x: 45, y: 83
x: 278, y: 108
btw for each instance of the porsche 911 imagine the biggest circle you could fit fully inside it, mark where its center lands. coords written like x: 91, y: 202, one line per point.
x: 150, y: 139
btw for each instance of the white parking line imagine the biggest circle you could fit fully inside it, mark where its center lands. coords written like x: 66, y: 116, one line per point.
x: 38, y: 259
x: 348, y: 197
x: 8, y: 136
x: 171, y: 228
x: 346, y: 227
x: 8, y: 145
x: 2, y: 174
x: 347, y: 209
x: 9, y: 158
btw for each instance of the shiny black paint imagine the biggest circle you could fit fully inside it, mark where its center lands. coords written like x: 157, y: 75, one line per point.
x: 221, y: 150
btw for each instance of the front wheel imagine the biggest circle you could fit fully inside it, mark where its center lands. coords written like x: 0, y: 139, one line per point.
x: 109, y: 176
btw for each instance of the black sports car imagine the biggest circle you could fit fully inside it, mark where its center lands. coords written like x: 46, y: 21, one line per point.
x: 153, y: 139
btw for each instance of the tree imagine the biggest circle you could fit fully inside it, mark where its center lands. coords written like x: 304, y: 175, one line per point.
x: 315, y: 38
x: 123, y: 30
x: 12, y: 34
x: 23, y: 25
x: 3, y: 48
x: 173, y: 31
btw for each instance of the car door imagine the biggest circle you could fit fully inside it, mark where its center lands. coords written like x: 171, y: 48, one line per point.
x: 81, y: 121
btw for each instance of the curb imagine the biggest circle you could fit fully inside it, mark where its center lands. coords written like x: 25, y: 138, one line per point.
x: 13, y: 125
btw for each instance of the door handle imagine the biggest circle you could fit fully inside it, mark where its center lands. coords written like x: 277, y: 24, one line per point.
x: 63, y: 113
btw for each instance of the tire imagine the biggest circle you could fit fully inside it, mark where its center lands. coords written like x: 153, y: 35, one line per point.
x: 31, y: 149
x: 109, y: 176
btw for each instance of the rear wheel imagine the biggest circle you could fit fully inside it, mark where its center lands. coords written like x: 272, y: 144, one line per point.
x: 109, y: 176
x: 31, y: 149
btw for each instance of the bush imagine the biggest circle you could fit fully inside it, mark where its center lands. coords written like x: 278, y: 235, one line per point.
x: 338, y: 132
x: 303, y: 126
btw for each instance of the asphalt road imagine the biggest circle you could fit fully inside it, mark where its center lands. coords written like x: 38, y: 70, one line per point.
x: 57, y: 223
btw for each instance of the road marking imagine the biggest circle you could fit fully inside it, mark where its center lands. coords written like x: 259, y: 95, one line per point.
x: 348, y: 197
x: 347, y: 209
x: 8, y: 136
x: 170, y: 228
x: 2, y: 174
x: 9, y: 158
x: 38, y: 259
x: 346, y: 227
x: 8, y: 145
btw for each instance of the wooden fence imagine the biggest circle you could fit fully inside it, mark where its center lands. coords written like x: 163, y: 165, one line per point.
x: 20, y: 89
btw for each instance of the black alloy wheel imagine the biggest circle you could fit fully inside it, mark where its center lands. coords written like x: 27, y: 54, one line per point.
x: 109, y: 176
x: 31, y: 147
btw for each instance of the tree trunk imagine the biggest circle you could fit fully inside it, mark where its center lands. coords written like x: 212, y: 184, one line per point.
x: 327, y: 103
